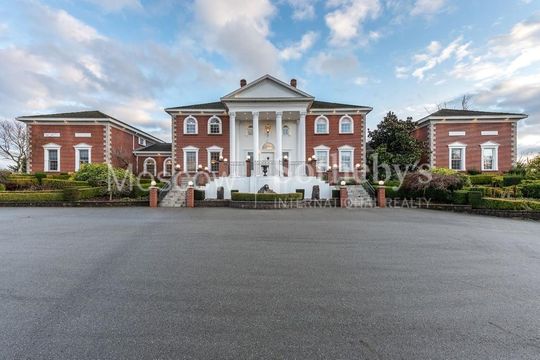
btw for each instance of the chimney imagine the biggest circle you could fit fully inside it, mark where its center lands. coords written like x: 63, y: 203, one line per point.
x: 293, y: 83
x: 243, y: 82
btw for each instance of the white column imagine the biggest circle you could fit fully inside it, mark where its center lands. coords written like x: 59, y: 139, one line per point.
x: 301, y: 142
x: 232, y: 136
x: 279, y: 135
x: 256, y: 152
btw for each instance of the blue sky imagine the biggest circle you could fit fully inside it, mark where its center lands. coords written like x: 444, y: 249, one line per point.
x: 132, y: 58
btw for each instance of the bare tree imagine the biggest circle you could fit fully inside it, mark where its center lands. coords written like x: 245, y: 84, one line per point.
x: 13, y: 144
x: 466, y: 102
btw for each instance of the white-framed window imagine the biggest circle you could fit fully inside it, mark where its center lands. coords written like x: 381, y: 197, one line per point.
x: 141, y: 141
x: 346, y: 125
x: 214, y: 125
x: 191, y: 158
x: 167, y: 167
x: 346, y: 158
x: 150, y: 166
x: 321, y: 125
x: 322, y: 153
x: 249, y: 130
x: 490, y: 156
x: 191, y: 126
x: 456, y: 156
x: 51, y: 161
x: 214, y: 153
x: 83, y: 155
x: 286, y: 130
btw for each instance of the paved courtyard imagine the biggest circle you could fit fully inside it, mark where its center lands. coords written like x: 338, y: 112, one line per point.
x: 239, y: 284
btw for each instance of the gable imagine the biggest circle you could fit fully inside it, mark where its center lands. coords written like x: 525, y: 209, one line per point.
x: 267, y: 87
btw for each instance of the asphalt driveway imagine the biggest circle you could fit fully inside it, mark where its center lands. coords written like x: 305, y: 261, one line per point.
x: 238, y: 284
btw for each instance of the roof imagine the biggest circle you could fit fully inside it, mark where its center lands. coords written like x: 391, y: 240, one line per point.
x: 331, y: 105
x: 162, y: 147
x: 233, y: 96
x: 460, y: 114
x: 87, y: 115
x: 205, y: 106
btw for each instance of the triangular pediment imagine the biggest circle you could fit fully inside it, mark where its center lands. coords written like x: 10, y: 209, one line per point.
x: 267, y: 87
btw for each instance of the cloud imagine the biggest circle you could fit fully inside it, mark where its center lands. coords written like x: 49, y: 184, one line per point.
x: 333, y: 64
x: 428, y: 7
x: 295, y: 51
x: 346, y: 21
x: 302, y: 9
x: 117, y: 5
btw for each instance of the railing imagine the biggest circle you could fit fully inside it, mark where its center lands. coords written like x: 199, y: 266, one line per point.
x: 297, y: 168
x: 369, y: 188
x: 165, y: 190
x: 237, y: 168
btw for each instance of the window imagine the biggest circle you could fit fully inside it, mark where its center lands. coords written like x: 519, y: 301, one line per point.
x: 322, y: 154
x: 191, y: 158
x: 167, y: 167
x: 190, y: 125
x: 142, y: 141
x: 346, y: 125
x: 346, y: 157
x: 286, y: 130
x: 285, y: 154
x: 250, y: 130
x: 214, y: 125
x: 150, y: 166
x: 51, y: 157
x: 321, y: 125
x: 83, y: 155
x: 457, y: 156
x: 490, y: 156
x: 214, y: 153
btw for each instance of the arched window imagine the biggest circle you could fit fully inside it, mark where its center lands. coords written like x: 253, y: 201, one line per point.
x: 346, y: 125
x: 150, y: 166
x: 250, y: 130
x: 190, y: 125
x: 268, y: 146
x: 286, y: 130
x: 321, y: 125
x: 214, y: 125
x: 167, y: 167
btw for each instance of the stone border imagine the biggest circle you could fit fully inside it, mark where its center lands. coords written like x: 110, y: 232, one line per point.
x: 104, y: 203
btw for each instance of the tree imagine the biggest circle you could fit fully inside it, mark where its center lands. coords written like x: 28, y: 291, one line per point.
x: 393, y: 143
x: 466, y: 102
x: 13, y: 144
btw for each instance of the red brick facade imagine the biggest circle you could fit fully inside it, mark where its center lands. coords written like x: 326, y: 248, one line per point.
x: 160, y: 162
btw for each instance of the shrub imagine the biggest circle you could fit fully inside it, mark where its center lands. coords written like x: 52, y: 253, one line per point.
x: 200, y: 194
x: 237, y: 196
x: 335, y: 193
x: 533, y: 168
x: 62, y: 184
x: 497, y: 181
x: 62, y: 176
x: 4, y: 175
x: 482, y: 189
x: 348, y: 181
x: 481, y: 179
x: 2, y: 187
x: 473, y: 172
x: 460, y: 197
x: 301, y: 191
x: 505, y: 192
x: 530, y: 189
x: 100, y: 175
x: 475, y: 199
x: 40, y: 176
x: 20, y: 182
x: 510, y: 180
x: 390, y: 192
x: 31, y: 196
x: 233, y: 191
x: 443, y: 171
x: 506, y: 204
x: 79, y: 193
x: 438, y: 187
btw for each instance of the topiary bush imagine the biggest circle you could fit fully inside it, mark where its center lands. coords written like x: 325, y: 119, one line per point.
x: 481, y: 179
x: 510, y: 180
x: 117, y: 181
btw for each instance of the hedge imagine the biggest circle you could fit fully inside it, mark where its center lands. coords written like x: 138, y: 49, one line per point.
x: 237, y: 196
x: 481, y: 179
x: 22, y: 180
x: 31, y: 196
x: 63, y: 176
x: 335, y: 193
x: 2, y: 187
x: 83, y: 193
x: 200, y: 194
x: 460, y: 197
x: 506, y: 204
x: 475, y: 199
x: 391, y: 193
x: 301, y: 191
x: 530, y: 189
x: 62, y: 184
x: 510, y: 180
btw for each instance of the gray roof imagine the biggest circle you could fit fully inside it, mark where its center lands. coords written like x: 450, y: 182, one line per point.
x: 205, y: 106
x: 71, y: 115
x: 162, y: 147
x: 454, y: 112
x: 332, y: 105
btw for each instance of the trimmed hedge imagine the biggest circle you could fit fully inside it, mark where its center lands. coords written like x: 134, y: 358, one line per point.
x: 506, y: 204
x: 237, y: 196
x: 481, y: 179
x: 62, y: 184
x: 80, y: 193
x: 511, y: 180
x: 301, y: 191
x: 200, y: 194
x: 460, y: 197
x: 40, y: 176
x: 530, y: 189
x: 391, y: 193
x: 22, y: 180
x: 335, y: 193
x: 62, y: 176
x: 31, y: 196
x: 2, y: 187
x: 475, y: 199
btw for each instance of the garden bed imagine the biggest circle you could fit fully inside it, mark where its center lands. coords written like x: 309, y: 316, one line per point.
x: 85, y: 203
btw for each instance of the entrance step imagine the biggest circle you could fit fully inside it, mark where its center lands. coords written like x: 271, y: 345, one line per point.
x: 176, y: 197
x: 359, y: 197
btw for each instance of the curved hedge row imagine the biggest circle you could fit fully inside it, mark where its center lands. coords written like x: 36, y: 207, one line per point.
x: 238, y: 196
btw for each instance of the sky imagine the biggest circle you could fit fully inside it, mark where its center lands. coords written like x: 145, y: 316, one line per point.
x: 133, y: 58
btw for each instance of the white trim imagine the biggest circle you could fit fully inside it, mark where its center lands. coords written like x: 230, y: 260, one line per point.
x: 51, y: 135
x: 342, y: 149
x: 346, y: 117
x: 83, y: 135
x: 191, y: 117
x: 82, y: 146
x: 490, y: 133
x: 327, y: 124
x: 214, y: 117
x: 456, y: 133
x: 46, y: 148
x: 326, y: 149
x: 191, y: 149
x: 211, y: 149
x: 141, y: 141
x: 494, y: 146
x: 145, y: 164
x: 463, y: 147
x: 165, y: 172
